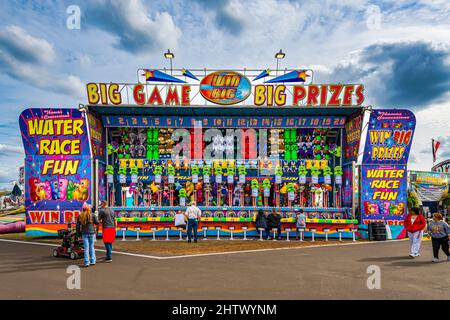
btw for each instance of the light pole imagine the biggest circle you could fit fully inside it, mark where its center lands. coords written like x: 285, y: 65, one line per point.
x: 169, y: 55
x: 279, y: 55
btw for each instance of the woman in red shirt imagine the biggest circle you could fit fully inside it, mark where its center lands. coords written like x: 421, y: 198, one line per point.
x: 414, y: 224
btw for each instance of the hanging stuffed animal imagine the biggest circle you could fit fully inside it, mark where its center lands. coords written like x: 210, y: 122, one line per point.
x: 194, y: 173
x: 134, y: 173
x: 122, y: 174
x: 206, y: 170
x: 237, y: 195
x: 242, y: 172
x: 190, y: 190
x: 218, y: 172
x: 315, y: 175
x: 230, y: 174
x: 278, y: 174
x: 327, y: 174
x: 290, y: 189
x: 158, y: 172
x: 338, y: 175
x: 109, y: 171
x: 302, y: 172
x: 182, y: 195
x: 199, y: 192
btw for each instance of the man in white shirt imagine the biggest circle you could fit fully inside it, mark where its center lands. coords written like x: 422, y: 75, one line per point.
x: 193, y: 215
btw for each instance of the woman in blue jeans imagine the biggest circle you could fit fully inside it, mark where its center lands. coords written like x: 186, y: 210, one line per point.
x: 86, y: 226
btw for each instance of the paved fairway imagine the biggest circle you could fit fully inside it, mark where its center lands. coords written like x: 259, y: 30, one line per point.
x: 28, y: 271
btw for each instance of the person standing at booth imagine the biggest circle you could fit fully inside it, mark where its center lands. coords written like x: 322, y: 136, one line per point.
x: 108, y: 220
x: 414, y: 224
x: 86, y: 222
x: 193, y: 215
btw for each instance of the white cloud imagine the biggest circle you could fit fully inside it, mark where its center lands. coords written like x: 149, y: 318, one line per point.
x: 24, y: 47
x: 6, y: 149
x: 137, y: 32
x: 433, y: 122
x: 32, y: 63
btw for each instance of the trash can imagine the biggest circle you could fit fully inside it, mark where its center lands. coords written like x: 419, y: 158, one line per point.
x: 377, y: 231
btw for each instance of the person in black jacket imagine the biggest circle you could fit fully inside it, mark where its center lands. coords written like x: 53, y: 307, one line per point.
x: 261, y: 222
x: 274, y: 221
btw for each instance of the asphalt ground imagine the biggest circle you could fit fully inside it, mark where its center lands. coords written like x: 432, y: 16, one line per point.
x: 28, y: 271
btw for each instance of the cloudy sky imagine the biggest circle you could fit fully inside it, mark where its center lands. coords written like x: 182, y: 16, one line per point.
x: 399, y: 49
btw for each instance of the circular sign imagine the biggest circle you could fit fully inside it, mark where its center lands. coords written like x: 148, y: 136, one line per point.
x: 225, y: 87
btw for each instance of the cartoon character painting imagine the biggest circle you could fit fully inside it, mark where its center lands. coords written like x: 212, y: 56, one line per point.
x: 54, y: 185
x: 81, y: 192
x: 63, y: 183
x: 48, y: 190
x: 37, y: 189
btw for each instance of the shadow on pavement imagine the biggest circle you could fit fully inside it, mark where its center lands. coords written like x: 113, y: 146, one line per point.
x: 37, y: 264
x: 412, y: 263
x: 386, y: 259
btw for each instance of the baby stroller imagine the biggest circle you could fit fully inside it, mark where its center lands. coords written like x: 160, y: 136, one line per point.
x: 72, y: 245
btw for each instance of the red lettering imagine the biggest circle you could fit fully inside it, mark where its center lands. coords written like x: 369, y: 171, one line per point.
x: 299, y: 94
x: 138, y: 95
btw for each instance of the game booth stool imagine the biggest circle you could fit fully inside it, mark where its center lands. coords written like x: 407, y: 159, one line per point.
x: 234, y: 141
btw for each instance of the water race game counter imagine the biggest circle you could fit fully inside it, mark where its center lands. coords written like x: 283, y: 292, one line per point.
x: 160, y: 222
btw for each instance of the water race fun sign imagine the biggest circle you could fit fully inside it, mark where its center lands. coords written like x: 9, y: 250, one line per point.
x: 57, y: 164
x: 384, y: 172
x: 292, y: 88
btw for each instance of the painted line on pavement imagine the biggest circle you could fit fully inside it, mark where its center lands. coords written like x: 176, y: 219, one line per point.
x: 211, y: 253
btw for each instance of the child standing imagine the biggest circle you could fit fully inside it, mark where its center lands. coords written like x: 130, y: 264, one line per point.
x: 439, y: 231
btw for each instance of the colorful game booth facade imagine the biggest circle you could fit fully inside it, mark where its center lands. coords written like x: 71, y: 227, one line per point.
x: 233, y: 141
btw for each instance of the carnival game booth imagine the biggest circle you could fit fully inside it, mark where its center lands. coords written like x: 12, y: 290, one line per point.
x: 234, y: 145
